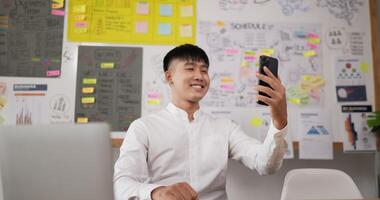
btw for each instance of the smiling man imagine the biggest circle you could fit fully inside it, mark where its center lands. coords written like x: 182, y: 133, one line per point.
x: 181, y: 152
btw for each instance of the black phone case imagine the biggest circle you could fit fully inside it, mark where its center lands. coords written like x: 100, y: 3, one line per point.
x: 272, y: 64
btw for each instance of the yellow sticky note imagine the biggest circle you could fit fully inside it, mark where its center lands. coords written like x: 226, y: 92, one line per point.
x: 295, y: 100
x: 186, y: 30
x: 220, y: 23
x: 364, y: 67
x: 36, y: 59
x: 154, y: 101
x: 86, y: 100
x: 82, y: 120
x: 80, y: 30
x: 314, y: 40
x: 3, y: 102
x: 244, y: 63
x: 88, y: 90
x: 107, y: 65
x: 227, y: 80
x: 256, y: 122
x: 57, y: 5
x: 79, y: 9
x: 310, y: 53
x: 80, y: 17
x: 268, y: 52
x: 91, y: 81
x: 186, y: 11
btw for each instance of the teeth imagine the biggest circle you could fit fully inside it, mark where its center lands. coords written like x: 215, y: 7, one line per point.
x: 196, y: 86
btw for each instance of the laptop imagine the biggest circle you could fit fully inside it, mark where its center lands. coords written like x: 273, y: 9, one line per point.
x: 56, y: 162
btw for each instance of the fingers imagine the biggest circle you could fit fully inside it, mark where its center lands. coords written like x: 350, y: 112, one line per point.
x: 180, y: 191
x: 272, y: 80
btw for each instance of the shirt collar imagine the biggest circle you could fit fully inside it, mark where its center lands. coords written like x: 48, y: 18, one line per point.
x: 182, y: 113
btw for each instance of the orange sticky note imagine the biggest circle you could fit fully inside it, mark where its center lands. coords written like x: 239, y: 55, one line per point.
x: 88, y: 90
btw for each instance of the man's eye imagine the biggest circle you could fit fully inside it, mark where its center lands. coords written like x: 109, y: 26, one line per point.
x: 190, y: 69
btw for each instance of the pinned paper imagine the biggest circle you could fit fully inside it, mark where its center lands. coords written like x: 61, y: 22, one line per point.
x: 107, y: 65
x: 51, y: 73
x: 186, y: 30
x: 88, y: 90
x: 364, y: 67
x: 58, y: 12
x: 79, y: 9
x: 256, y: 122
x: 82, y: 120
x: 87, y: 100
x: 164, y: 29
x: 80, y: 17
x: 142, y: 27
x: 166, y: 10
x: 142, y: 8
x: 80, y: 30
x: 154, y: 101
x: 310, y: 53
x: 90, y: 81
x: 81, y: 24
x: 186, y: 11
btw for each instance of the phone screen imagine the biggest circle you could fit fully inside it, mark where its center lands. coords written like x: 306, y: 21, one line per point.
x: 272, y: 64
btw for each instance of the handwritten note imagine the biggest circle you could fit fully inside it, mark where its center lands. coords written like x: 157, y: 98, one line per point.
x: 142, y: 8
x: 164, y: 29
x: 166, y: 10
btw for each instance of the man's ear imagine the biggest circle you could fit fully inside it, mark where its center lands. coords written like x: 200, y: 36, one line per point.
x: 168, y: 77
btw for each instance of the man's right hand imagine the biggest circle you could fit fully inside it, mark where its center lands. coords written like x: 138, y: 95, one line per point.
x: 178, y: 191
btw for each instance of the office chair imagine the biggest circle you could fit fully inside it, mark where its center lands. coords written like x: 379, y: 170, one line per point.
x: 313, y: 183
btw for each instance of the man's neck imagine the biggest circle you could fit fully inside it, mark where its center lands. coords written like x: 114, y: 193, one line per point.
x: 189, y: 107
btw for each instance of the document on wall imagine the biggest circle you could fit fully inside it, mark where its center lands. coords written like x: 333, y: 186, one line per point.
x: 315, y: 139
x: 356, y: 134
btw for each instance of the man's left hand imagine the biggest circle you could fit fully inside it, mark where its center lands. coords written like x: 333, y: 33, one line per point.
x: 276, y: 99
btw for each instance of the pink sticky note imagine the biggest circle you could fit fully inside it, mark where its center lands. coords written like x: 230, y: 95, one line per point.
x: 312, y: 35
x: 141, y: 27
x: 142, y: 8
x: 154, y: 95
x: 81, y: 24
x: 227, y: 87
x: 58, y: 12
x: 312, y: 46
x: 231, y: 51
x: 53, y: 73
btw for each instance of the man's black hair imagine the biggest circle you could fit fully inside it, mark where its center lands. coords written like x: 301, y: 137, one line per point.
x: 185, y: 52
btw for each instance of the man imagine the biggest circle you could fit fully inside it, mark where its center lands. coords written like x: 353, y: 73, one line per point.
x: 180, y: 152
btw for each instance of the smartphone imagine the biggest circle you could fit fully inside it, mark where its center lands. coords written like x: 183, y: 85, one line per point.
x: 272, y: 64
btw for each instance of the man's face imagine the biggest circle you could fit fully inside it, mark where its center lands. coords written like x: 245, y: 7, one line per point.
x: 188, y: 80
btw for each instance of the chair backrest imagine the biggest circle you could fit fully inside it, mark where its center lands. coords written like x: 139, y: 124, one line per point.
x: 60, y: 162
x: 314, y: 183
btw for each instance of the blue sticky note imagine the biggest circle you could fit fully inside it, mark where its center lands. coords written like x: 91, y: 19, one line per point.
x: 164, y: 28
x: 166, y: 10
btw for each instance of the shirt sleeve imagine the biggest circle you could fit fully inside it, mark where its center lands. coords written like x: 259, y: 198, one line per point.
x: 131, y: 177
x: 266, y: 157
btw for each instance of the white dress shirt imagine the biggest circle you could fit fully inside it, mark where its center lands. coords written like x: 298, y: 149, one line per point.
x: 166, y: 148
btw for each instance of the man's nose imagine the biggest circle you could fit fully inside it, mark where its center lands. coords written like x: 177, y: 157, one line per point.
x: 198, y: 75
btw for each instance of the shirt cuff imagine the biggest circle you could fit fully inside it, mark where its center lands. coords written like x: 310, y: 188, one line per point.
x: 148, y: 191
x: 274, y: 132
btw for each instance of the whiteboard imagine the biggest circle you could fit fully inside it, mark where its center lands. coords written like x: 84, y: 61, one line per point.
x: 317, y: 16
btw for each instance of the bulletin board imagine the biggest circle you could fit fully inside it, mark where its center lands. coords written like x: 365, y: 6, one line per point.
x: 324, y: 48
